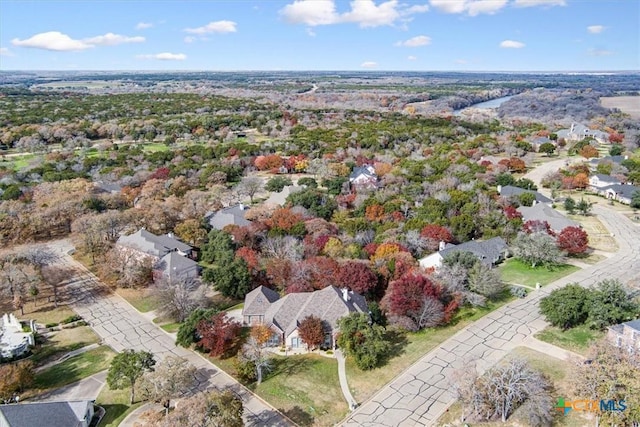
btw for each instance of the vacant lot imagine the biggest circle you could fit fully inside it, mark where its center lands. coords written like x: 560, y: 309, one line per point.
x: 626, y: 104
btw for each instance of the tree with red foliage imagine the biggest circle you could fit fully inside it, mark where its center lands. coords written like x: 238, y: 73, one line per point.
x: 249, y: 256
x: 357, y: 276
x: 417, y: 297
x: 516, y: 165
x: 271, y: 161
x: 284, y: 219
x: 616, y: 138
x: 573, y: 240
x: 218, y: 335
x: 512, y: 213
x: 435, y: 234
x: 160, y: 173
x: 324, y: 271
x: 278, y: 272
x: 537, y: 226
x: 311, y: 331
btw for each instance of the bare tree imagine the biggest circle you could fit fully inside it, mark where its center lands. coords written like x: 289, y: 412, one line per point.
x: 258, y: 355
x: 178, y: 297
x: 56, y: 277
x: 171, y: 378
x: 39, y: 257
x: 286, y: 247
x: 249, y: 186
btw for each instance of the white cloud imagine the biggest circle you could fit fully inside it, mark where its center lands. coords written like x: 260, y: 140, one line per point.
x: 412, y: 58
x: 4, y: 51
x: 164, y: 56
x: 310, y: 32
x: 511, y: 44
x: 416, y: 41
x: 111, y: 39
x: 461, y: 61
x: 533, y: 3
x: 143, y: 25
x: 52, y: 40
x: 220, y: 27
x: 365, y: 13
x: 369, y: 64
x: 600, y: 52
x: 595, y: 29
x: 471, y: 7
x: 190, y: 39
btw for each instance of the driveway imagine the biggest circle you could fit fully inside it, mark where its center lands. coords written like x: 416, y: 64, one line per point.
x: 86, y: 389
x: 419, y: 395
x: 122, y: 327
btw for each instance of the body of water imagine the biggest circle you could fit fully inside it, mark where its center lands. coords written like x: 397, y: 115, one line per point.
x: 494, y: 103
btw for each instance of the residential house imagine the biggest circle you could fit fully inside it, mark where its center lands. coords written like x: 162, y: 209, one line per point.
x: 617, y: 160
x: 363, y: 177
x: 279, y: 199
x: 283, y: 315
x: 543, y: 212
x: 510, y: 191
x: 537, y: 142
x: 50, y: 414
x: 599, y: 181
x: 233, y: 215
x: 489, y: 252
x: 625, y: 335
x: 171, y: 257
x: 578, y: 132
x: 620, y: 192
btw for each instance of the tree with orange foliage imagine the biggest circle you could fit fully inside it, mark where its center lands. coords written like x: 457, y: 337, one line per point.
x: 517, y: 165
x: 284, y: 219
x: 311, y: 331
x: 581, y: 181
x: 382, y: 168
x: 261, y: 333
x: 589, y: 151
x: 374, y: 213
x: 271, y: 161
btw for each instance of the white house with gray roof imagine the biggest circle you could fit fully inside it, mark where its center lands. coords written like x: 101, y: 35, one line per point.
x: 489, y: 252
x: 623, y: 193
x: 578, y: 132
x: 599, y: 181
x: 510, y: 191
x: 47, y: 414
x: 283, y: 315
x: 233, y: 215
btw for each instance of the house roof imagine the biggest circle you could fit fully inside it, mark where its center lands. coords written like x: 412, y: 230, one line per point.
x: 152, y: 244
x: 366, y: 171
x: 233, y: 215
x: 542, y: 212
x: 176, y: 266
x: 612, y: 159
x: 606, y: 178
x: 281, y: 197
x: 285, y: 314
x: 488, y: 251
x: 258, y: 301
x: 510, y: 190
x: 623, y: 190
x: 633, y: 324
x: 56, y: 414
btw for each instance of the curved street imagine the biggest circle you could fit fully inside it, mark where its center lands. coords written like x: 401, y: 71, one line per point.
x: 122, y: 327
x: 419, y: 395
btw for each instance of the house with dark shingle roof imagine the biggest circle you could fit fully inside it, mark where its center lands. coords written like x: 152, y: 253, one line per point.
x: 489, y: 252
x: 625, y: 335
x: 50, y: 414
x: 620, y: 192
x: 363, y: 177
x: 542, y: 212
x: 599, y: 181
x: 510, y: 191
x: 283, y: 315
x: 233, y: 215
x: 171, y: 257
x: 578, y: 132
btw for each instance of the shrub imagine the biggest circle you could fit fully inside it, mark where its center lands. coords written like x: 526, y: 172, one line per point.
x: 71, y: 319
x: 519, y: 292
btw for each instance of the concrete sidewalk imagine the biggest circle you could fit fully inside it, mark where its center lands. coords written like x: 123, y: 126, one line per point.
x: 344, y: 385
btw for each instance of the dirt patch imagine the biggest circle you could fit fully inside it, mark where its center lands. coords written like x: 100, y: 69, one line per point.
x: 626, y: 104
x: 600, y: 237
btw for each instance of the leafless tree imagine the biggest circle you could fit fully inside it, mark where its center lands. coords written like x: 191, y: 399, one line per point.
x: 170, y: 379
x: 249, y: 186
x: 286, y: 247
x: 178, y: 297
x: 257, y: 354
x: 39, y: 257
x: 56, y: 277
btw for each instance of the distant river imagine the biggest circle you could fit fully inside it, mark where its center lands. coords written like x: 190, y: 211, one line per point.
x: 494, y: 103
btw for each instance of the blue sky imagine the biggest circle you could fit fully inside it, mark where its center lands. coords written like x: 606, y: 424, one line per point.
x: 429, y: 35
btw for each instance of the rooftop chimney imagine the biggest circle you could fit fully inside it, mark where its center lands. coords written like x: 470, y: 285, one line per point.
x: 345, y: 294
x: 441, y: 246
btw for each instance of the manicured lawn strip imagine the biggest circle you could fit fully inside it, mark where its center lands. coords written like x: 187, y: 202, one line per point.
x: 139, y: 299
x: 304, y: 387
x: 171, y: 327
x: 576, y: 339
x: 116, y: 405
x: 515, y: 271
x: 45, y: 313
x: 75, y: 368
x: 365, y: 384
x: 558, y: 372
x: 63, y: 342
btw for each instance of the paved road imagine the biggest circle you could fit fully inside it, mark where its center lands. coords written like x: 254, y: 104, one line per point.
x: 122, y: 327
x: 418, y: 396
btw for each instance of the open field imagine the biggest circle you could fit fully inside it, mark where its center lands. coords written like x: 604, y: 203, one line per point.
x: 626, y: 104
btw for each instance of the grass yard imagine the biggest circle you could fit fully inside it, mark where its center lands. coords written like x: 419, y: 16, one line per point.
x: 557, y: 371
x: 153, y: 147
x: 62, y: 342
x: 167, y: 324
x: 516, y: 271
x: 364, y: 384
x: 45, y: 313
x: 116, y: 406
x: 140, y: 299
x: 576, y: 339
x: 304, y: 387
x: 74, y: 368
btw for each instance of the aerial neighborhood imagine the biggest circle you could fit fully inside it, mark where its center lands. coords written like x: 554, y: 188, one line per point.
x: 318, y: 249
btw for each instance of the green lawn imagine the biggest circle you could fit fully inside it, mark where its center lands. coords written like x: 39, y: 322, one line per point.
x: 153, y: 147
x: 139, y: 299
x: 74, y: 369
x: 116, y: 405
x: 304, y: 387
x: 409, y: 348
x: 576, y: 339
x: 61, y: 343
x: 515, y: 271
